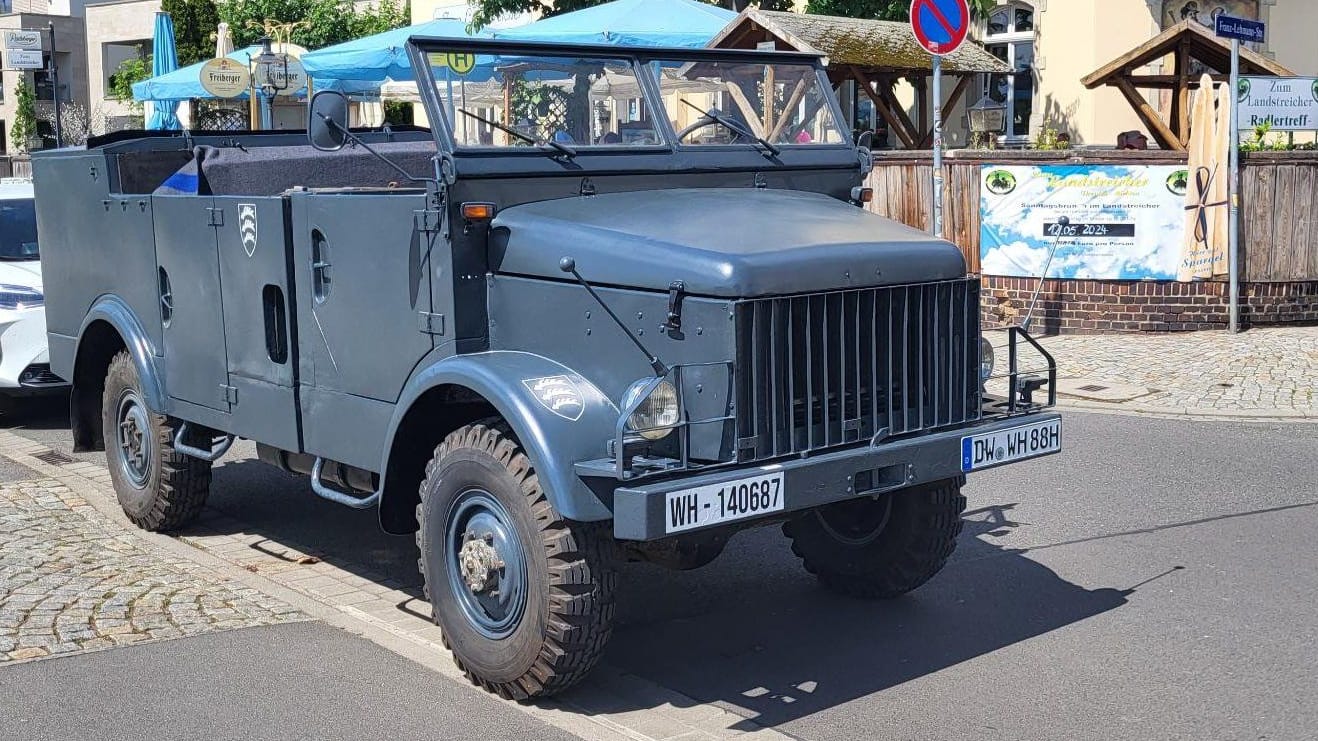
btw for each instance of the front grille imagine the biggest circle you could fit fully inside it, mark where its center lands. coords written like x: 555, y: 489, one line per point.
x: 829, y: 369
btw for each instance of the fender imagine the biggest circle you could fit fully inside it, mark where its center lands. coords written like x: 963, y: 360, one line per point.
x: 554, y: 441
x: 113, y: 310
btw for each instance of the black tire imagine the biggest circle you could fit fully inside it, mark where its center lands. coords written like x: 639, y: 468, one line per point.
x: 569, y: 569
x: 163, y: 489
x: 880, y: 548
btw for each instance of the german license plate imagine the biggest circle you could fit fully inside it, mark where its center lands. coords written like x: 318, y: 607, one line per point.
x: 1010, y: 445
x: 717, y: 503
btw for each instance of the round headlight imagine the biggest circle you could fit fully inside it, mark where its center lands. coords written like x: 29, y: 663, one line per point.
x: 656, y: 415
x: 985, y: 359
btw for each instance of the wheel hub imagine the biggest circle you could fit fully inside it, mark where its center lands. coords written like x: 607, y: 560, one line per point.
x: 480, y: 562
x: 486, y: 563
x: 132, y: 437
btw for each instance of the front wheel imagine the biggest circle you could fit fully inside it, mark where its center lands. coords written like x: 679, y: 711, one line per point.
x: 158, y: 487
x: 524, y: 597
x: 880, y: 548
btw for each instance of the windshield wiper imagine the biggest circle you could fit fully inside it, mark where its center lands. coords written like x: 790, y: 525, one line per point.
x: 735, y: 127
x: 563, y: 149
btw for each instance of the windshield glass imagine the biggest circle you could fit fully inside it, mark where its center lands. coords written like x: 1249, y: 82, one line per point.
x: 556, y: 103
x: 18, y: 230
x: 783, y: 104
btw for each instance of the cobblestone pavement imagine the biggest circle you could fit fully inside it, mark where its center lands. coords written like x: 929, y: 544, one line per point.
x: 1265, y: 372
x: 71, y: 580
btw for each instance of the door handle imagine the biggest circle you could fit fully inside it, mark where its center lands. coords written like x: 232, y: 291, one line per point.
x: 166, y: 299
x: 320, y: 265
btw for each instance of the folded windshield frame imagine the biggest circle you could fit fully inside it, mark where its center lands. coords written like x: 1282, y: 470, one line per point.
x: 639, y: 58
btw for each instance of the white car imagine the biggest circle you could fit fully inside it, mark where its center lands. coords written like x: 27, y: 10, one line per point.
x: 24, y: 357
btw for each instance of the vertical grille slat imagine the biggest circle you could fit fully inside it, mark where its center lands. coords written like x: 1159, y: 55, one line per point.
x: 827, y: 369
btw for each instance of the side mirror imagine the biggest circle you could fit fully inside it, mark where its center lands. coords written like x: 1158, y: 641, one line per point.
x: 327, y: 120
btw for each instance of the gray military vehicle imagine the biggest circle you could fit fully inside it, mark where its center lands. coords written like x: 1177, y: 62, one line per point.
x: 619, y: 304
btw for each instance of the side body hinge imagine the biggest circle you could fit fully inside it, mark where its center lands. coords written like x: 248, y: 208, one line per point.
x: 587, y: 187
x: 214, y: 216
x: 229, y: 394
x: 427, y: 221
x: 430, y: 323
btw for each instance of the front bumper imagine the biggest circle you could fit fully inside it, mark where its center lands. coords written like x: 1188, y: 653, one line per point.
x: 24, y: 357
x: 638, y: 511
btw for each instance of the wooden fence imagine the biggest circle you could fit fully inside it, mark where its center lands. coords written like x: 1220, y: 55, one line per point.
x: 1279, y: 236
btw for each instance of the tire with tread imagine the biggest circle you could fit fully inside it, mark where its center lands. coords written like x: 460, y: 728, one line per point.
x: 887, y: 553
x: 570, y: 570
x: 176, y: 484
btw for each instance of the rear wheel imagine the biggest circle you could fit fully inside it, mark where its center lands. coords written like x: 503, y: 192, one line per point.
x: 884, y: 547
x: 524, y: 597
x: 158, y: 487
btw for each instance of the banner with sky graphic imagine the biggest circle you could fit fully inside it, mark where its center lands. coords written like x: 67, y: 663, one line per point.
x: 1127, y: 222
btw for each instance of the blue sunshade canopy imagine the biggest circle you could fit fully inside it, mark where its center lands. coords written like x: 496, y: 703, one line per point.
x: 185, y: 83
x: 685, y: 23
x: 380, y: 56
x: 164, y: 60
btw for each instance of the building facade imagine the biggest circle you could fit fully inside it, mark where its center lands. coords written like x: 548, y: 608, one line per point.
x: 1054, y: 43
x: 117, y: 31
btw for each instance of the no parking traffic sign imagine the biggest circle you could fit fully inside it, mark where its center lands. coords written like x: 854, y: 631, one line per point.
x: 940, y: 25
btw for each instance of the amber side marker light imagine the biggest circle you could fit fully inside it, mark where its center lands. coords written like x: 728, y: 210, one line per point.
x: 862, y: 195
x: 478, y: 211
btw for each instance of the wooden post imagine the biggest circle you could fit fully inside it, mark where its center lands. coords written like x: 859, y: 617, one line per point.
x: 1181, y: 96
x: 1164, y: 135
x: 880, y: 105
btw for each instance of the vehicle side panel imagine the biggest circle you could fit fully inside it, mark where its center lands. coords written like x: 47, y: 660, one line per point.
x: 91, y: 242
x: 255, y: 259
x: 362, y: 280
x: 194, y: 343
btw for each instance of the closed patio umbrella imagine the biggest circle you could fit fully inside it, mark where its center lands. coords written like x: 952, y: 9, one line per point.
x: 164, y: 59
x: 223, y: 41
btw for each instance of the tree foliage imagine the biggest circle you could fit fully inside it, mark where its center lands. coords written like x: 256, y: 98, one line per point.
x: 320, y: 22
x: 883, y: 10
x: 24, y: 125
x: 195, y: 23
x: 128, y: 72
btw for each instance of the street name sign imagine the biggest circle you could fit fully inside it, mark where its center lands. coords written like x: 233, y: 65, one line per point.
x: 1240, y: 29
x: 1282, y: 103
x: 940, y: 26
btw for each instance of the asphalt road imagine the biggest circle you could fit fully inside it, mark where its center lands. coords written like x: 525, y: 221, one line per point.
x: 1155, y: 581
x: 295, y: 681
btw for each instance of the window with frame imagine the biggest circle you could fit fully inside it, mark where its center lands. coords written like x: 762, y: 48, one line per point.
x: 1009, y: 36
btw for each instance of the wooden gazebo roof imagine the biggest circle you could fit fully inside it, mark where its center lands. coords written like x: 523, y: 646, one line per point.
x: 886, y: 45
x: 873, y: 53
x: 1185, y: 42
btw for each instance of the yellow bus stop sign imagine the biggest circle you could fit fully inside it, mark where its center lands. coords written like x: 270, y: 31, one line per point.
x: 460, y: 62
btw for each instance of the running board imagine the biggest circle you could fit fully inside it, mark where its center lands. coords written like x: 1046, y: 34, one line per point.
x: 338, y: 497
x: 210, y: 456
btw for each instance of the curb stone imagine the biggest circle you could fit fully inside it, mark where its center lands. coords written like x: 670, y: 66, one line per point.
x: 371, y: 610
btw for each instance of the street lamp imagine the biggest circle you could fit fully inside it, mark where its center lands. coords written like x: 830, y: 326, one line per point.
x: 987, y: 118
x: 271, y: 75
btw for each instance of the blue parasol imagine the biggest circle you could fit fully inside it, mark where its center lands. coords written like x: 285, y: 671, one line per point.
x: 164, y: 59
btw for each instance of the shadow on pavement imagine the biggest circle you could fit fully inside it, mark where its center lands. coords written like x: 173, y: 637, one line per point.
x: 752, y: 632
x: 46, y: 412
x: 791, y: 649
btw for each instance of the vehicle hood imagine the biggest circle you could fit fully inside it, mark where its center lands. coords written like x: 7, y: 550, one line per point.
x: 724, y: 242
x: 26, y: 273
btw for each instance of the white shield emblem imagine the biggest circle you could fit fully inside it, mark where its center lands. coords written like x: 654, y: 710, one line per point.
x: 559, y: 395
x: 247, y: 227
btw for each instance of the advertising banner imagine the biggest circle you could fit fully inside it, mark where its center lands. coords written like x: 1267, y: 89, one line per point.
x: 23, y: 40
x: 1284, y: 103
x: 1127, y: 222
